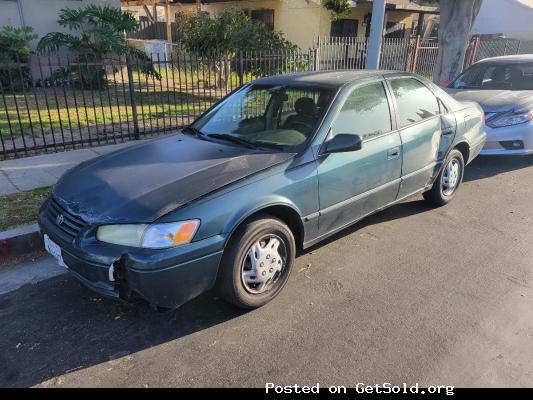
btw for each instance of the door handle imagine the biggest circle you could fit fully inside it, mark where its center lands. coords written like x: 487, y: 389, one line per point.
x: 393, y: 153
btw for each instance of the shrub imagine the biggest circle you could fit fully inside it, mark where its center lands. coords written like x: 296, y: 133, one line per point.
x: 225, y: 35
x: 338, y: 8
x: 14, y: 49
x: 97, y: 33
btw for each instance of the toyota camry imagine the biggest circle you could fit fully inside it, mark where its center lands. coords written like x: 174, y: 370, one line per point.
x: 275, y: 167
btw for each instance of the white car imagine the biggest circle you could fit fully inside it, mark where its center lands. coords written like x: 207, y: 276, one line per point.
x: 503, y: 86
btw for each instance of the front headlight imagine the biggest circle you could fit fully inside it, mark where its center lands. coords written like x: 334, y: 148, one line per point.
x: 157, y: 236
x: 514, y: 118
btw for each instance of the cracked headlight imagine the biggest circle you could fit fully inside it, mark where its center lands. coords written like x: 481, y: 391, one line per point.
x: 514, y: 118
x: 156, y: 236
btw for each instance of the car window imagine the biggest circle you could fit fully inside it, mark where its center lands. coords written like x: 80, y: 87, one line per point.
x: 497, y: 76
x: 366, y: 112
x: 267, y: 115
x: 415, y: 101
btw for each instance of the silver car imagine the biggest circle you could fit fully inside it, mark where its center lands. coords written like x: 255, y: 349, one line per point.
x: 503, y: 86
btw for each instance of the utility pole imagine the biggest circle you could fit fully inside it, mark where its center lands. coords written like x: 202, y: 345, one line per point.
x: 376, y: 34
x: 169, y: 22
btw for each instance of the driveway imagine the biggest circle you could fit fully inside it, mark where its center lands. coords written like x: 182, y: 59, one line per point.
x: 413, y: 294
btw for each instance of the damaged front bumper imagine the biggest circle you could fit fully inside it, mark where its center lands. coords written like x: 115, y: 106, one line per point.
x: 164, y: 277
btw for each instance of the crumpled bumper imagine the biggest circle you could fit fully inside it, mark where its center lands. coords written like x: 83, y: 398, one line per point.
x: 163, y: 277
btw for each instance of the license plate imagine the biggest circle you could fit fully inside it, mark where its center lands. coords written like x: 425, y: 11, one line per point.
x: 54, y: 249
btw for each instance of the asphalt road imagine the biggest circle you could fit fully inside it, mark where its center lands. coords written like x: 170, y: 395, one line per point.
x: 413, y: 294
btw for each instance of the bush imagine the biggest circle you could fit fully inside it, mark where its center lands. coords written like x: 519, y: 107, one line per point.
x: 338, y: 8
x: 98, y: 33
x: 220, y: 39
x: 226, y: 34
x: 14, y: 49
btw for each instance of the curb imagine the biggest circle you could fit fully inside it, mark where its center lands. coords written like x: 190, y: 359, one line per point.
x: 19, y: 241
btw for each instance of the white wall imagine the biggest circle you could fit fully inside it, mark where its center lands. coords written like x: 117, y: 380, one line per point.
x: 9, y: 14
x: 513, y: 18
x: 42, y: 15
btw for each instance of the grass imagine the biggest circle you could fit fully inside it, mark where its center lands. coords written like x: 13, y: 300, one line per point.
x: 177, y: 97
x: 21, y: 208
x: 174, y: 100
x: 80, y: 109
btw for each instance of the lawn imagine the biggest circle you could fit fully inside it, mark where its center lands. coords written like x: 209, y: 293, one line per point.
x: 172, y: 101
x: 45, y: 111
x: 21, y: 208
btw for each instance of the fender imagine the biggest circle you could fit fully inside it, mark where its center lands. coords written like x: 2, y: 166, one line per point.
x: 246, y: 211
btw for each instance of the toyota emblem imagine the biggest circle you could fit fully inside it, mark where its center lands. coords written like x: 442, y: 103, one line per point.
x: 60, y: 219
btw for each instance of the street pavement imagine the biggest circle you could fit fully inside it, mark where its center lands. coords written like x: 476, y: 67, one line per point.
x: 414, y: 294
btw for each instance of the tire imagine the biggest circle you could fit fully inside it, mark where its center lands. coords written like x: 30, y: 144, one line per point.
x: 237, y: 275
x: 441, y: 193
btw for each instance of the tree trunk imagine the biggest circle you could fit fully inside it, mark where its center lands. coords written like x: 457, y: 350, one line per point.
x: 456, y: 21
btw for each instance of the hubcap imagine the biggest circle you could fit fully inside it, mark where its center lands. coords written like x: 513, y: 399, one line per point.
x: 451, y: 176
x: 263, y: 264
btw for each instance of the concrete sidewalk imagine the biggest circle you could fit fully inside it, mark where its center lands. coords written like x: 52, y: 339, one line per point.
x: 23, y: 174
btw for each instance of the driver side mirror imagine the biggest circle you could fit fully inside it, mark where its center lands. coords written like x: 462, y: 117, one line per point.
x: 344, y: 142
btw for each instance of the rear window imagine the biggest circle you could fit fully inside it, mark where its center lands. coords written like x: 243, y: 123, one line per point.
x: 496, y: 76
x: 415, y: 101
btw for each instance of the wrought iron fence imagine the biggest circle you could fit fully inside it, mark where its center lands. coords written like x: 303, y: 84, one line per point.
x: 55, y: 104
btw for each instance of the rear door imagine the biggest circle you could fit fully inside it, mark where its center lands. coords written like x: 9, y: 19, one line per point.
x: 420, y: 131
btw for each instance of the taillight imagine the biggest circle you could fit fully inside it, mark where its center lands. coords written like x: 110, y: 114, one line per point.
x: 483, y: 119
x: 445, y: 83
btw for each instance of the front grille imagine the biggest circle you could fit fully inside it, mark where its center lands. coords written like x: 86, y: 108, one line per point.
x: 70, y: 224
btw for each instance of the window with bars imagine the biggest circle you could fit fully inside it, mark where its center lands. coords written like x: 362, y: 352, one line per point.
x: 344, y: 28
x: 265, y: 16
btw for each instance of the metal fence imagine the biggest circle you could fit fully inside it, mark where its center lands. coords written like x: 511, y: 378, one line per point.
x: 54, y: 104
x: 401, y: 54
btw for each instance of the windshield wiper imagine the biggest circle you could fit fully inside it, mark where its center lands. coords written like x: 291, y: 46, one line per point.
x: 233, y: 139
x: 191, y: 129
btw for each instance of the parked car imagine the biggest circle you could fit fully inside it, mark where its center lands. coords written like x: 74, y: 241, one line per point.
x: 275, y: 167
x: 503, y: 86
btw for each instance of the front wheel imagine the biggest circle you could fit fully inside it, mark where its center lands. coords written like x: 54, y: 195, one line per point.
x: 445, y: 186
x: 257, y: 262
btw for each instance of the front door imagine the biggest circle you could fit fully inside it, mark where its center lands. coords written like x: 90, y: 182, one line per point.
x: 353, y: 184
x: 420, y: 131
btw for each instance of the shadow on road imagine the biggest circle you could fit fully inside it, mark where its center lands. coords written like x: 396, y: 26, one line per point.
x: 58, y: 326
x: 486, y: 166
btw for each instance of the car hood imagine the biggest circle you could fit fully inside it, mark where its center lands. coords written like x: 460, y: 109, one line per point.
x: 146, y: 181
x: 495, y: 100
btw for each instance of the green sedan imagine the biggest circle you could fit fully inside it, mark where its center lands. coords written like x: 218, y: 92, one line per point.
x: 273, y: 168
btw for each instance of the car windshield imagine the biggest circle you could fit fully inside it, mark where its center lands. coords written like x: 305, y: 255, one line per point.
x: 281, y: 117
x: 496, y: 76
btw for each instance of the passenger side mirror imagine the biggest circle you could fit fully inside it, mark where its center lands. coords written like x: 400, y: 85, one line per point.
x: 344, y: 142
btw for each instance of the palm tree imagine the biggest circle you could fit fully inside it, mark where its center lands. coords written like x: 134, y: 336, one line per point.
x: 98, y: 33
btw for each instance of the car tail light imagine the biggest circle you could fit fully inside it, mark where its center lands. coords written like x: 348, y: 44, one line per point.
x: 483, y: 119
x: 445, y: 82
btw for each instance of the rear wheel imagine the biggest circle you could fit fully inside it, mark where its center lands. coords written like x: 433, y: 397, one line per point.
x: 445, y: 186
x: 257, y: 262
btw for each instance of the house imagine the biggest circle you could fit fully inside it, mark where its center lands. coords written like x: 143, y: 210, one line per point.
x: 516, y: 24
x: 301, y: 21
x: 41, y: 15
x: 153, y: 11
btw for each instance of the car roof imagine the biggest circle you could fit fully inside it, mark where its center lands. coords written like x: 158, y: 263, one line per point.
x: 330, y: 79
x: 510, y: 58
